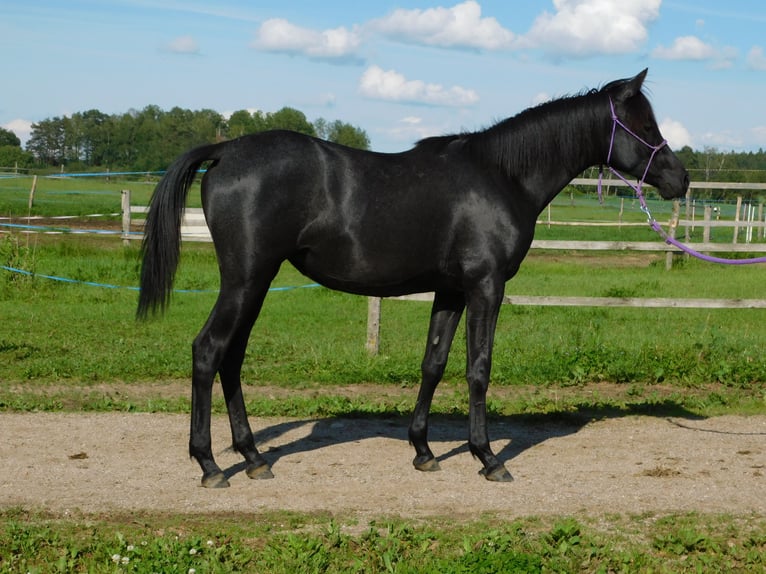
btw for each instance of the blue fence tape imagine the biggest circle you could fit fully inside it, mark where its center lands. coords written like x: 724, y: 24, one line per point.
x: 101, y: 174
x: 129, y: 288
x: 61, y: 230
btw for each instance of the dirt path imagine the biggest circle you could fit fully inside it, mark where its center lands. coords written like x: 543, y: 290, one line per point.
x: 101, y: 462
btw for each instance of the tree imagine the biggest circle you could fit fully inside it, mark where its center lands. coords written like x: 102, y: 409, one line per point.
x: 12, y: 156
x: 47, y: 141
x: 149, y: 139
x: 289, y: 119
x: 240, y: 123
x: 342, y: 133
x: 8, y: 138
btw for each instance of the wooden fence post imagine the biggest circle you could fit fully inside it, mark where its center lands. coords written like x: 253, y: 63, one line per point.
x: 736, y: 219
x: 125, y: 205
x: 32, y: 193
x: 373, y: 325
x: 672, y: 232
x: 689, y: 215
x: 706, y: 228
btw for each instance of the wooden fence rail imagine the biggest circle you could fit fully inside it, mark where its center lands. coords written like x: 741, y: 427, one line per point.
x: 374, y: 306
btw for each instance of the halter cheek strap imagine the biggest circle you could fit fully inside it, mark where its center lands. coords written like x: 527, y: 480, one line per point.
x: 639, y: 193
x: 655, y: 148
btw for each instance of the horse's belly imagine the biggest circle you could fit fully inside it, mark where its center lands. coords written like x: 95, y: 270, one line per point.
x: 372, y: 270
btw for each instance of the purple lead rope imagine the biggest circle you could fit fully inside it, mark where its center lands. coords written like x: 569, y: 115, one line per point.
x: 639, y: 193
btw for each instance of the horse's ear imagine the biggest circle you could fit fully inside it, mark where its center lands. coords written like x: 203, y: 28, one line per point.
x: 631, y: 87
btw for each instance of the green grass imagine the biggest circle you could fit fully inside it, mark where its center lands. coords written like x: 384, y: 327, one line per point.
x: 81, y: 196
x: 291, y: 543
x: 75, y: 336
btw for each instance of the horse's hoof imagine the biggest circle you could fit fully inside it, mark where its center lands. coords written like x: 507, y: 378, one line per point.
x: 215, y: 480
x: 499, y: 474
x: 259, y: 472
x: 426, y: 464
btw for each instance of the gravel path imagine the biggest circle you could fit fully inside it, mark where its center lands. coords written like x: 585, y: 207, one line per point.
x: 115, y: 461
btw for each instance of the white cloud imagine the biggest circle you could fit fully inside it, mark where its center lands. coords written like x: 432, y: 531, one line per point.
x: 460, y: 26
x: 410, y: 129
x: 279, y: 35
x: 685, y: 48
x: 582, y: 28
x: 675, y: 133
x: 756, y: 59
x: 725, y: 140
x: 22, y: 128
x: 691, y: 48
x: 390, y: 85
x: 183, y: 45
x: 759, y: 136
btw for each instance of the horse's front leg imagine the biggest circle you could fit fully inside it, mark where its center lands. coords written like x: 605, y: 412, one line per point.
x: 481, y: 321
x: 445, y: 316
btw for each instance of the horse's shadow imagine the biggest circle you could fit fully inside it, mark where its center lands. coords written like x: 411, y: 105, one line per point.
x: 517, y: 433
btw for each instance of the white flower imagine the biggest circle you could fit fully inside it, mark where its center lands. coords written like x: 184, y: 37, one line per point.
x: 130, y: 548
x: 210, y: 543
x: 192, y: 551
x: 192, y: 571
x: 125, y: 560
x: 116, y: 558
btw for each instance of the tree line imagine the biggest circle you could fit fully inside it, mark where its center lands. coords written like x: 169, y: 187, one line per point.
x: 149, y: 139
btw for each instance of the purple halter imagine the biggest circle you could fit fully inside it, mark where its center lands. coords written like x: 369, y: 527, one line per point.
x: 640, y: 195
x: 655, y: 148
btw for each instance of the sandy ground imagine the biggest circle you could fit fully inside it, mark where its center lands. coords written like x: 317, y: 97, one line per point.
x: 132, y: 462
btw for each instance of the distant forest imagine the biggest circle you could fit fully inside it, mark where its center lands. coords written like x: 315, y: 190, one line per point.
x: 149, y: 139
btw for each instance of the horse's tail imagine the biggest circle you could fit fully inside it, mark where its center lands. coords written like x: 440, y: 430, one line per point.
x: 161, y: 246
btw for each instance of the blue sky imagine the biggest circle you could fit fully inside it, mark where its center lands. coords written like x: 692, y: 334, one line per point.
x: 400, y: 70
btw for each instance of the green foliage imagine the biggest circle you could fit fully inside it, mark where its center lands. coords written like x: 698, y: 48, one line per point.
x: 9, y: 138
x: 12, y: 157
x: 149, y: 139
x: 342, y: 133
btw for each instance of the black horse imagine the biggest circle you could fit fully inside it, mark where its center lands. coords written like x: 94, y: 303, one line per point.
x: 454, y: 215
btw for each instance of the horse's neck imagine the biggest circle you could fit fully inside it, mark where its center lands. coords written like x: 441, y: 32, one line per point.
x: 544, y: 155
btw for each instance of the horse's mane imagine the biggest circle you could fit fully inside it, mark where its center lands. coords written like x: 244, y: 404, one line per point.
x: 535, y: 136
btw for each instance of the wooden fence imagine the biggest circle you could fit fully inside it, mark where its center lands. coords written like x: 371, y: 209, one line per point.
x: 193, y: 226
x: 194, y: 229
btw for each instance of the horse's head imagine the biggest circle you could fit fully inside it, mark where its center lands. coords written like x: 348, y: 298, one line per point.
x: 636, y: 145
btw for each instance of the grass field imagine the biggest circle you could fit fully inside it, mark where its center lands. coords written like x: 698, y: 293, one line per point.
x: 281, y: 543
x: 64, y: 345
x: 56, y: 331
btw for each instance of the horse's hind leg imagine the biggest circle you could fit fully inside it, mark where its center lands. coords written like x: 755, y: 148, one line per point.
x: 242, y: 435
x: 445, y: 316
x: 220, y: 346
